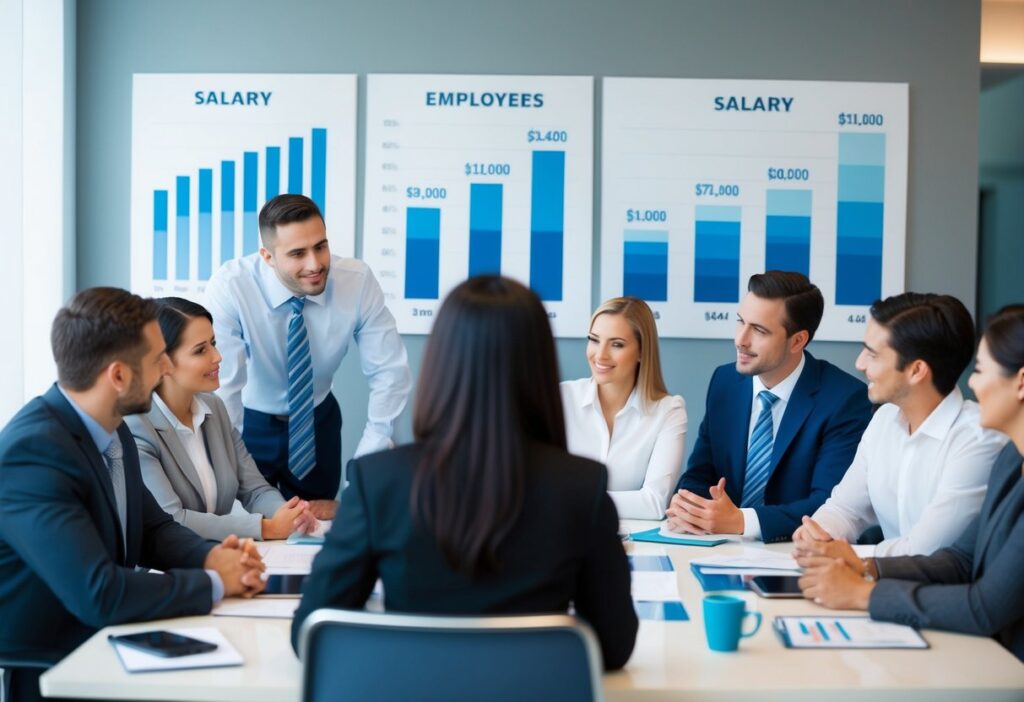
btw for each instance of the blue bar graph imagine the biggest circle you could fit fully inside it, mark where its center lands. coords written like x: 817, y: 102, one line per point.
x: 273, y: 178
x: 645, y: 264
x: 547, y: 236
x: 250, y: 225
x: 717, y: 255
x: 860, y: 218
x: 485, y: 200
x: 788, y: 231
x: 318, y: 177
x: 160, y: 235
x: 205, y: 223
x: 181, y: 228
x: 227, y: 210
x: 422, y: 252
x: 295, y: 165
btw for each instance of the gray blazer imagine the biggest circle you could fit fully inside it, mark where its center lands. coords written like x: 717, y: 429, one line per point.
x: 170, y: 475
x: 975, y: 585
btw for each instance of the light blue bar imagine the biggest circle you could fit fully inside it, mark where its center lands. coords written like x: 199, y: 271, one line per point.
x: 858, y: 149
x: 789, y: 203
x: 160, y: 235
x: 861, y: 183
x: 485, y: 205
x: 318, y: 181
x: 547, y: 214
x: 295, y: 165
x: 273, y: 179
x: 718, y: 213
x: 250, y: 225
x: 182, y: 227
x: 422, y: 252
x: 650, y: 235
x: 227, y: 210
x: 205, y: 223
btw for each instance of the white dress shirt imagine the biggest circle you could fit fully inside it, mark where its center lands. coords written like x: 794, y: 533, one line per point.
x: 782, y: 390
x: 643, y: 454
x: 195, y: 445
x: 250, y: 318
x: 924, y: 488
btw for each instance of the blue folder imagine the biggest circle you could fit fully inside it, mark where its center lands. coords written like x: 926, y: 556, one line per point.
x: 711, y: 583
x: 653, y: 536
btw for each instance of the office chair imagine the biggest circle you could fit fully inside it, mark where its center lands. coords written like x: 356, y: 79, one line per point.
x: 357, y: 655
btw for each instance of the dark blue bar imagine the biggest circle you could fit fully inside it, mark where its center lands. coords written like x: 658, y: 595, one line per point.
x: 645, y: 270
x: 859, y: 253
x: 485, y: 202
x: 717, y: 269
x: 295, y: 165
x: 160, y: 235
x: 788, y: 244
x: 205, y: 223
x: 181, y: 233
x: 547, y: 216
x: 250, y: 225
x: 227, y: 210
x: 273, y: 179
x: 318, y: 180
x: 422, y: 252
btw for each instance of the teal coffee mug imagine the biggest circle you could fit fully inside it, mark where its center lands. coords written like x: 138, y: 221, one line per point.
x: 723, y: 621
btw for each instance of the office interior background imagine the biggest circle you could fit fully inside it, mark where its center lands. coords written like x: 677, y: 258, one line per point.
x: 65, y: 125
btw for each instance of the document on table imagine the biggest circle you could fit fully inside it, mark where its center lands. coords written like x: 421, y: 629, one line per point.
x: 655, y: 586
x: 226, y: 655
x: 717, y: 538
x: 845, y: 632
x: 287, y: 559
x: 259, y: 607
x: 750, y: 559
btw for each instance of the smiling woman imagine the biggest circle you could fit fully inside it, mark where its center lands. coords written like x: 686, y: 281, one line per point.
x: 623, y: 415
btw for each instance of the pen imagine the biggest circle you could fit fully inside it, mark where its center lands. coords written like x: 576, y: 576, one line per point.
x: 842, y: 631
x: 822, y: 630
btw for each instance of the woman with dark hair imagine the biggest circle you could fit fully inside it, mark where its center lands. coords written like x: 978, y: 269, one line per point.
x: 486, y: 513
x: 975, y: 585
x: 192, y: 459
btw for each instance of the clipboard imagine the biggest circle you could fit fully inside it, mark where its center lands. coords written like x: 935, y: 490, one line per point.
x: 845, y: 632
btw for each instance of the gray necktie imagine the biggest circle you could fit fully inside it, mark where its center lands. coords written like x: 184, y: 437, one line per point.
x: 115, y: 463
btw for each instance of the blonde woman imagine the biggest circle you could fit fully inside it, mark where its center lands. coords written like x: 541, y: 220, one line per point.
x: 622, y: 415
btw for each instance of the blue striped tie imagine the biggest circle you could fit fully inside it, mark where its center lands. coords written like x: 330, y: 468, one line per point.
x: 301, y: 444
x: 759, y: 454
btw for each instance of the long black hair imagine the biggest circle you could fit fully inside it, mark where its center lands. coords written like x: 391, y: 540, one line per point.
x: 488, y: 384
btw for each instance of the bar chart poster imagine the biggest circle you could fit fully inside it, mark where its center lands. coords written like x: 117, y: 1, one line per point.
x: 467, y: 175
x: 208, y: 150
x: 707, y: 182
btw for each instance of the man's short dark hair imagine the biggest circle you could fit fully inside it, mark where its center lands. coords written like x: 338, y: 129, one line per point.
x: 804, y: 302
x: 97, y: 327
x: 285, y: 209
x: 936, y: 329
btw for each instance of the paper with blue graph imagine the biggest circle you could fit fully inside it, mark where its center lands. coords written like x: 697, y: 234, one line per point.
x: 208, y: 150
x: 470, y: 175
x: 706, y: 182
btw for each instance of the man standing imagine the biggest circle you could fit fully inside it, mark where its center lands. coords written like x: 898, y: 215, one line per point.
x: 76, y: 521
x: 780, y: 427
x: 284, y: 319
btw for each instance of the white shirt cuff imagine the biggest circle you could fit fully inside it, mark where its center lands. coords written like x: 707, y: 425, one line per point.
x: 218, y: 586
x: 751, y: 524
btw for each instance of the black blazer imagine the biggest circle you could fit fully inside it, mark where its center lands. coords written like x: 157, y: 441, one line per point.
x: 563, y: 548
x: 64, y: 568
x: 814, y: 445
x: 975, y: 586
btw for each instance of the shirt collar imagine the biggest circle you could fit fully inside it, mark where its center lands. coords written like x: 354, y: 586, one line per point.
x: 589, y: 398
x: 784, y: 389
x: 199, y: 412
x: 276, y: 292
x: 100, y: 436
x: 941, y: 420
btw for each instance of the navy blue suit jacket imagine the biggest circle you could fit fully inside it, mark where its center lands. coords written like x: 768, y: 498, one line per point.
x: 814, y: 445
x: 65, y: 570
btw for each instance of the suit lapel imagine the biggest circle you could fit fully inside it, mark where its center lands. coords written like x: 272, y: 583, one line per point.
x: 740, y: 404
x: 798, y: 409
x: 67, y: 416
x: 132, y: 495
x: 169, y: 436
x: 216, y: 452
x: 1005, y: 500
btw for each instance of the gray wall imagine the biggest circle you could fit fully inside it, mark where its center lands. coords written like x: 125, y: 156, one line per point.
x: 931, y: 44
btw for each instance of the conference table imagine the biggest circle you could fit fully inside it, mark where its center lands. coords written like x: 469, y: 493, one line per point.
x: 671, y: 660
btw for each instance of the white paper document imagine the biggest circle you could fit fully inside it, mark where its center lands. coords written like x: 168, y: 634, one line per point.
x: 287, y: 559
x: 751, y: 558
x: 136, y: 661
x: 261, y: 607
x: 654, y: 586
x: 846, y: 632
x: 668, y: 534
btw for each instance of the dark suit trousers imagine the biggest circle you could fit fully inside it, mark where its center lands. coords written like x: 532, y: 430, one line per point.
x: 266, y: 438
x: 24, y: 686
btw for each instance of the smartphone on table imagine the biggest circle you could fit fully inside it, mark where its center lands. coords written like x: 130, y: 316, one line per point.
x: 776, y: 586
x: 164, y: 643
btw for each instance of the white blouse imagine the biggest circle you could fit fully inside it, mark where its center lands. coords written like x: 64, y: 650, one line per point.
x: 195, y: 444
x: 643, y: 454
